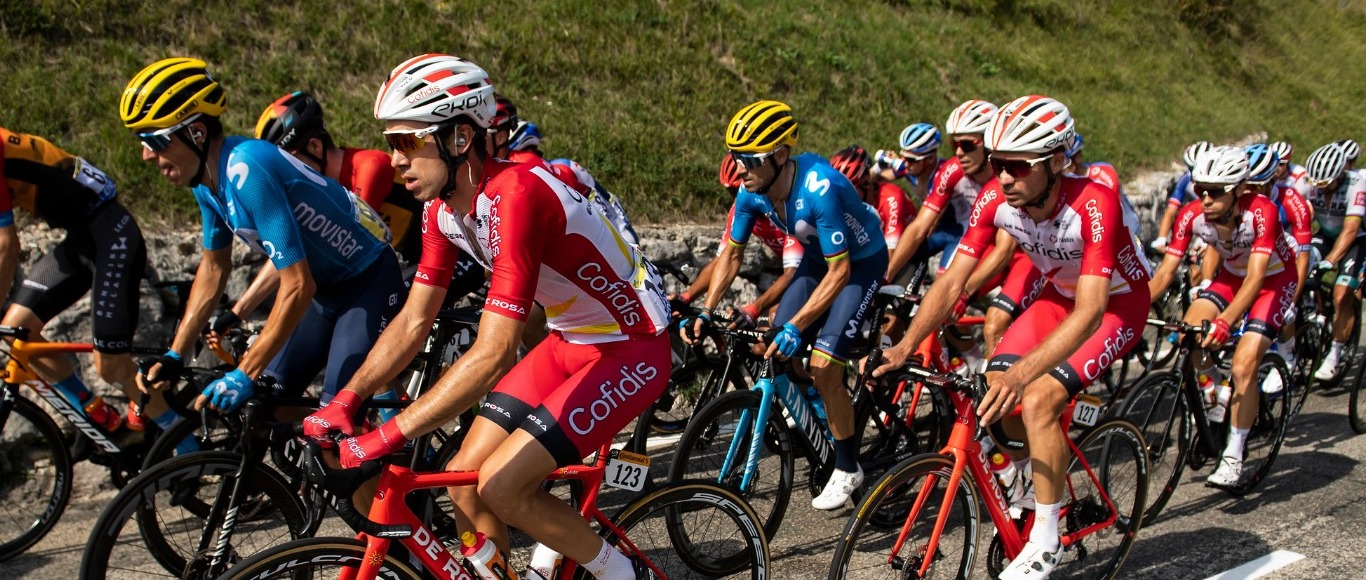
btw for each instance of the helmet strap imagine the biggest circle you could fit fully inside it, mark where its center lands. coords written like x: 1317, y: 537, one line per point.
x: 201, y: 152
x: 321, y: 161
x: 1048, y: 189
x: 453, y: 163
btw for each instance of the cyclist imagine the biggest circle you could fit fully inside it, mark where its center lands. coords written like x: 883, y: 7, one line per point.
x: 917, y: 160
x: 605, y: 362
x: 778, y: 242
x: 1180, y: 193
x: 810, y: 200
x: 1296, y: 225
x: 1338, y: 197
x: 1352, y: 150
x: 894, y: 209
x: 103, y: 249
x: 1254, y: 280
x: 339, y: 281
x: 1091, y: 313
x: 1289, y: 174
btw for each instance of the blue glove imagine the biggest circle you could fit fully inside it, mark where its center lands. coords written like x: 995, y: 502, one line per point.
x: 229, y: 392
x: 788, y: 340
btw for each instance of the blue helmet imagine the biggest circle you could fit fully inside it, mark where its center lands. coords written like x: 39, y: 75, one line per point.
x: 1261, y: 163
x: 524, y: 136
x: 1074, y: 147
x: 920, y: 139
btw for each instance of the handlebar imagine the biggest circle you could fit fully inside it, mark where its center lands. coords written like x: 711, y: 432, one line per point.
x: 341, y: 483
x: 15, y: 332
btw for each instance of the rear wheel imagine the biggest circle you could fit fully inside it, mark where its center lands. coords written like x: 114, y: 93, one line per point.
x: 1116, y: 454
x: 1356, y: 409
x: 1156, y: 406
x: 316, y: 558
x: 35, y: 476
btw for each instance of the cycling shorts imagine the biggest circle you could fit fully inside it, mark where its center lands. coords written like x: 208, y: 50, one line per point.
x: 1120, y: 329
x: 339, y: 328
x: 574, y: 397
x: 1021, y: 288
x: 1269, y: 308
x: 108, y: 253
x: 834, y: 332
x: 1352, y: 264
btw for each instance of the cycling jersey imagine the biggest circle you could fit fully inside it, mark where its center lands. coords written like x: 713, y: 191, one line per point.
x: 280, y: 207
x: 1258, y: 232
x: 1296, y: 176
x: 1331, y: 209
x: 609, y: 204
x: 1296, y: 216
x: 952, y: 188
x: 824, y: 212
x: 1077, y: 239
x: 57, y: 187
x: 525, y: 156
x: 779, y: 243
x: 545, y: 242
x: 1182, y: 192
x: 369, y: 175
x: 895, y: 211
x: 1022, y: 286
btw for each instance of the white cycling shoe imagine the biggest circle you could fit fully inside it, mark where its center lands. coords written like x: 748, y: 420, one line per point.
x: 837, y: 490
x: 1229, y: 473
x: 1033, y: 563
x: 1329, y: 367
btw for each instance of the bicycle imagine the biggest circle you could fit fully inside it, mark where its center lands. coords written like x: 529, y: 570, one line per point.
x: 668, y: 517
x: 921, y: 519
x: 1168, y: 407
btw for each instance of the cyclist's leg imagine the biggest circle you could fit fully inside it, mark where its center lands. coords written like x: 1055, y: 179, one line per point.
x: 830, y: 351
x: 1209, y: 303
x: 361, y: 315
x: 1263, y: 322
x: 120, y: 259
x: 610, y: 385
x: 1345, y: 292
x: 56, y: 281
x: 305, y: 352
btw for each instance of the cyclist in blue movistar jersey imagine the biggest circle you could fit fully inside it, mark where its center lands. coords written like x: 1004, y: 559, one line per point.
x: 807, y: 198
x: 339, y: 280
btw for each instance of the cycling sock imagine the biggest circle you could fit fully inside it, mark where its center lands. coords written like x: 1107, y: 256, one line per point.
x: 846, y: 455
x: 74, y: 390
x: 610, y: 564
x: 1336, y: 350
x: 1236, y: 438
x: 166, y: 421
x: 386, y: 414
x: 1045, y: 531
x: 1287, y: 350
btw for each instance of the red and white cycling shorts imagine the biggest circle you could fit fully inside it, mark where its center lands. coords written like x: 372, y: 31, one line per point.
x: 1023, y: 285
x: 1268, y: 310
x: 1120, y: 328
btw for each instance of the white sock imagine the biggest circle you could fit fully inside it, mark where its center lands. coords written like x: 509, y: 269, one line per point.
x: 1287, y: 350
x: 1236, y: 438
x: 1336, y: 350
x: 610, y: 565
x: 1044, y: 534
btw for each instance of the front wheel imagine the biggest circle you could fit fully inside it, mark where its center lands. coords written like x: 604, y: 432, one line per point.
x: 1159, y: 410
x: 1356, y: 407
x: 35, y: 476
x: 316, y: 558
x: 1268, y: 429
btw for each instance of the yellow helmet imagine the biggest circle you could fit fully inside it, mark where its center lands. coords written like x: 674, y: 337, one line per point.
x: 168, y: 92
x: 761, y: 127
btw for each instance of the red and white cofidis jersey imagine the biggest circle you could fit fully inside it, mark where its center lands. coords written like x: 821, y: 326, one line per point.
x: 1258, y: 231
x: 950, y: 186
x: 771, y: 235
x: 545, y: 242
x: 895, y: 210
x: 1085, y: 235
x: 1297, y: 216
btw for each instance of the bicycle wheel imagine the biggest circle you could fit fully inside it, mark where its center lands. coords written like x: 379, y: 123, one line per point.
x: 701, y: 454
x: 1114, y: 450
x: 1356, y: 414
x: 889, y: 437
x: 1268, y: 430
x: 316, y: 558
x: 691, y: 386
x: 35, y: 477
x: 694, y: 529
x: 171, y: 502
x: 866, y: 547
x: 1157, y: 407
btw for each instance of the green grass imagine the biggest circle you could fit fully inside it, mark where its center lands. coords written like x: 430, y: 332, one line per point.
x: 640, y: 91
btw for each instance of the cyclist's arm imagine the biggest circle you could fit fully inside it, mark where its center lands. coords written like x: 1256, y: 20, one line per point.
x: 1164, y: 228
x: 934, y: 308
x: 1301, y: 272
x: 469, y: 379
x: 774, y: 293
x: 1209, y: 263
x: 992, y: 264
x: 703, y: 280
x: 1093, y: 295
x: 210, y: 279
x: 9, y: 257
x: 1163, y: 275
x: 835, y: 279
x: 267, y: 281
x: 292, y: 300
x: 400, y: 341
x: 724, y: 269
x: 1350, y: 226
x: 910, y: 241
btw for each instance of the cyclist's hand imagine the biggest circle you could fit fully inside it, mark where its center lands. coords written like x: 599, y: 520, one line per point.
x: 164, y: 372
x: 1195, y: 291
x: 1218, y: 334
x: 892, y: 358
x: 786, y: 342
x: 227, y: 393
x: 337, y: 415
x: 678, y: 304
x: 960, y: 307
x: 745, y: 317
x: 694, y: 330
x: 1159, y: 244
x: 222, y: 323
x: 373, y: 445
x: 1003, y: 393
x: 1325, y: 266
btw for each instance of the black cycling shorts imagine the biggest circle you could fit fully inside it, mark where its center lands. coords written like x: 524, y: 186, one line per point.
x: 1352, y: 264
x: 111, y: 255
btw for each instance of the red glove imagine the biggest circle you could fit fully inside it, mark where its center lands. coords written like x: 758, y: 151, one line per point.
x: 334, y: 416
x: 751, y: 312
x: 1219, y: 331
x: 960, y: 307
x: 373, y: 445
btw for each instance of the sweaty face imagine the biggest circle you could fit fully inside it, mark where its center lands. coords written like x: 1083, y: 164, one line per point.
x: 422, y: 170
x: 1030, y: 183
x: 177, y: 162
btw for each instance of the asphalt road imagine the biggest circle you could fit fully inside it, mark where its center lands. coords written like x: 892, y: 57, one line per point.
x: 1312, y: 505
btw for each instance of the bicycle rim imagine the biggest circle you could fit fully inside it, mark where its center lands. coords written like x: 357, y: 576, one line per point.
x: 35, y: 477
x: 315, y: 558
x: 1156, y: 406
x: 1115, y: 452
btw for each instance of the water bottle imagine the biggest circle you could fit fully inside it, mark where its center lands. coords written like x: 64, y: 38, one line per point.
x: 1006, y: 473
x: 814, y: 398
x: 545, y: 563
x: 483, y: 558
x: 1220, y: 408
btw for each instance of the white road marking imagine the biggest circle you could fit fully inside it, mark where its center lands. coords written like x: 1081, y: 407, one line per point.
x: 1261, y: 566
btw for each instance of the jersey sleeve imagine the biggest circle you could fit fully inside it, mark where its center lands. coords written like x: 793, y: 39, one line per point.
x: 1266, y: 226
x: 1300, y: 217
x: 941, y: 186
x: 520, y: 235
x: 261, y: 191
x: 895, y: 210
x: 1182, y: 231
x: 1099, y: 228
x: 743, y: 216
x: 372, y: 177
x: 981, y: 231
x: 1356, y: 201
x: 793, y: 252
x: 217, y: 234
x: 439, y: 255
x: 6, y: 203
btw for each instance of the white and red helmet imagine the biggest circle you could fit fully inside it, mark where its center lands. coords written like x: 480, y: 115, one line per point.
x: 970, y: 118
x: 436, y: 88
x: 1221, y: 165
x: 1032, y: 124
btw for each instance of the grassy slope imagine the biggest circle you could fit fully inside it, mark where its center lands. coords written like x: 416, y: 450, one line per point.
x: 640, y: 91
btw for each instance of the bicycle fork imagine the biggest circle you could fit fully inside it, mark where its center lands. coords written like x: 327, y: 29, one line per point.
x: 223, y: 515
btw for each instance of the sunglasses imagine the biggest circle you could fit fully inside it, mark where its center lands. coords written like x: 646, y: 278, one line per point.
x: 409, y: 140
x: 908, y: 156
x: 751, y: 161
x: 967, y: 145
x: 1017, y: 168
x: 1322, y: 183
x: 1214, y: 192
x: 157, y: 141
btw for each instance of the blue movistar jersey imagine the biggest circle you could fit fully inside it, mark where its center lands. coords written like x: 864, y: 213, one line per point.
x: 282, y: 208
x: 1181, y: 193
x: 823, y: 212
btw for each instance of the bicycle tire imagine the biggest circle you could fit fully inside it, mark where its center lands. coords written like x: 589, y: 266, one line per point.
x: 1356, y: 415
x: 280, y: 515
x: 1268, y: 430
x: 664, y: 525
x: 1117, y: 455
x: 32, y: 451
x: 302, y: 558
x: 886, y: 507
x: 691, y: 386
x: 702, y: 450
x: 887, y: 440
x: 1157, y: 406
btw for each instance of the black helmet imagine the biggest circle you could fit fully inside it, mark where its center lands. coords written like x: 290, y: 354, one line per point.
x: 291, y: 120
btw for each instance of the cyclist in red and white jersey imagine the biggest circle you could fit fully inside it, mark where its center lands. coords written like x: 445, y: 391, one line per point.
x: 1296, y: 217
x: 1288, y: 174
x: 605, y: 362
x: 1255, y: 279
x: 1091, y: 313
x: 894, y: 208
x: 1181, y: 193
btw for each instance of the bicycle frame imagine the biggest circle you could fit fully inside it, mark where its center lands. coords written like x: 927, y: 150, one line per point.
x: 17, y: 372
x: 814, y: 434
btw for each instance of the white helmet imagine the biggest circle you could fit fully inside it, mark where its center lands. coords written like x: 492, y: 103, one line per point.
x: 970, y: 117
x: 1221, y: 165
x: 1283, y: 150
x: 1351, y: 148
x: 1193, y: 152
x: 1032, y: 124
x: 1326, y: 163
x: 435, y: 88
